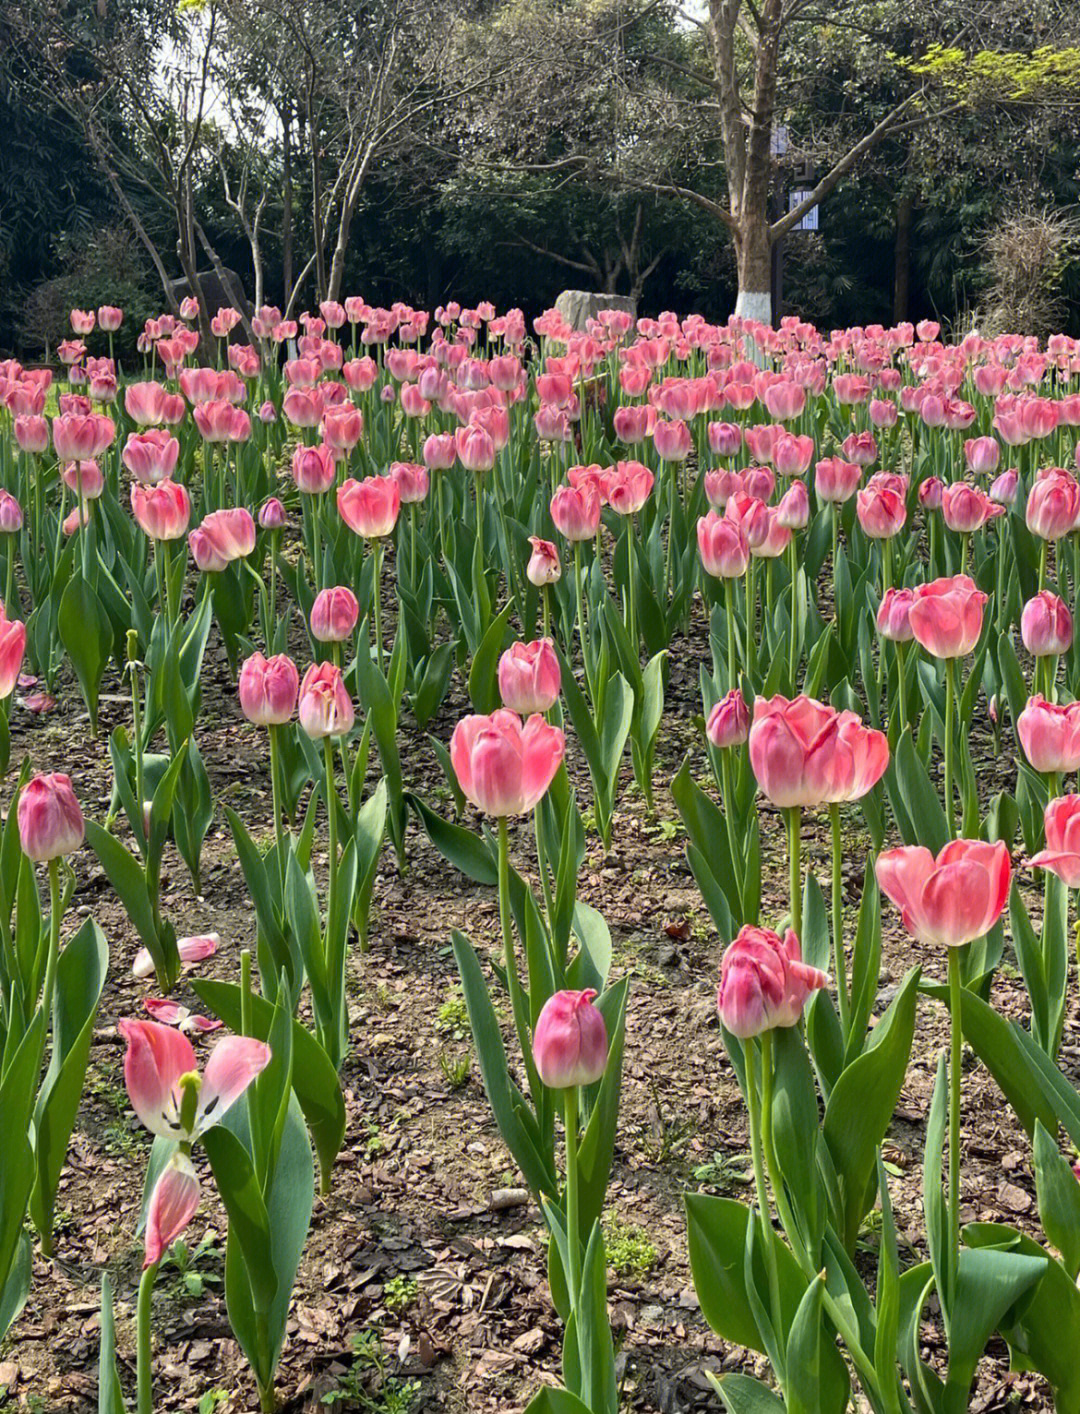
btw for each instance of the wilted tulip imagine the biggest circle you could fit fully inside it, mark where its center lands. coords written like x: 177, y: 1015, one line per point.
x: 543, y: 567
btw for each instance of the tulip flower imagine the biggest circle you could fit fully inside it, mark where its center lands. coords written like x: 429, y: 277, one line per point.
x: 576, y: 512
x: 1004, y: 487
x: 764, y: 983
x: 12, y: 651
x: 1062, y: 853
x: 268, y: 689
x: 162, y: 511
x: 728, y: 723
x: 370, y: 507
x: 570, y: 1042
x: 314, y: 469
x: 504, y: 767
x: 947, y: 616
x: 948, y: 901
x: 326, y: 709
x: 1053, y: 507
x: 1046, y: 625
x: 723, y: 546
x: 1050, y: 736
x: 50, y: 820
x: 836, y: 480
x: 223, y: 536
x: 529, y: 677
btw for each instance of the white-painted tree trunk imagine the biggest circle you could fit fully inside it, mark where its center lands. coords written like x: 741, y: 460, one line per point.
x: 754, y: 304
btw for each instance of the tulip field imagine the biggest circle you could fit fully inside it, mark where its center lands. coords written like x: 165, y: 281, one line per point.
x: 538, y: 867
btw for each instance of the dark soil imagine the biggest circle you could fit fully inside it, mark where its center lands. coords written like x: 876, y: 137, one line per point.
x: 427, y: 1241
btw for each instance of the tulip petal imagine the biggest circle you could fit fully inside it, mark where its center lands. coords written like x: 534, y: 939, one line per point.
x: 233, y: 1065
x: 172, y: 1206
x: 157, y: 1056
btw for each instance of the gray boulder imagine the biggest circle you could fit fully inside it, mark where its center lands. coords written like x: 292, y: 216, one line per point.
x: 214, y: 292
x: 577, y: 307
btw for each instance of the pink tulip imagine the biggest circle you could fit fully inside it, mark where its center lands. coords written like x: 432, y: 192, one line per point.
x: 836, y: 480
x: 947, y: 616
x: 223, y: 536
x: 967, y: 508
x: 192, y: 951
x: 729, y: 721
x: 151, y: 456
x: 529, y: 677
x: 894, y: 615
x: 314, y: 469
x: 440, y: 451
x: 723, y: 546
x: 326, y: 709
x: 792, y: 455
x: 110, y: 318
x: 627, y: 487
x: 163, y: 511
x: 503, y: 767
x: 82, y: 321
x: 82, y: 437
x: 171, y: 1013
x: 570, y: 1042
x: 764, y: 983
x: 883, y: 412
x: 342, y: 427
x: 159, y: 1064
x: 268, y: 689
x: 721, y: 483
x: 793, y: 512
x: 272, y: 515
x: 334, y: 615
x: 1046, y: 625
x: 12, y: 651
x: 173, y: 1204
x: 806, y: 753
x: 303, y: 407
x: 145, y: 403
x: 672, y: 441
x: 370, y: 507
x: 576, y: 512
x: 475, y: 447
x: 881, y: 511
x: 982, y: 455
x: 950, y: 900
x: 32, y: 434
x: 860, y: 448
x: 543, y: 567
x: 11, y: 516
x: 785, y: 401
x: 725, y: 439
x: 1050, y: 735
x: 85, y: 479
x: 932, y: 493
x: 50, y: 820
x: 1004, y: 487
x: 1062, y: 853
x: 412, y: 480
x: 1053, y: 505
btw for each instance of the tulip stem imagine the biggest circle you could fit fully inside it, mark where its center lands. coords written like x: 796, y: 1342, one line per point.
x: 727, y: 792
x: 950, y: 729
x: 956, y: 1037
x: 839, y: 958
x: 901, y: 685
x: 145, y: 1403
x: 631, y: 623
x: 378, y: 605
x: 545, y: 596
x: 793, y: 662
x: 751, y: 619
x: 275, y: 794
x: 513, y: 983
x: 573, y: 1218
x: 334, y: 966
x: 53, y: 956
x: 579, y: 595
x: 794, y: 824
x: 768, y: 1233
x: 732, y: 664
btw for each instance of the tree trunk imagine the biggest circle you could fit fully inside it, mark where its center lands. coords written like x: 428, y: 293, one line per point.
x: 286, y: 203
x: 753, y: 254
x: 902, y: 273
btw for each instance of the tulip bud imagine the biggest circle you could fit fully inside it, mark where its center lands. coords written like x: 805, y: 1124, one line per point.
x: 570, y: 1042
x: 268, y: 689
x: 272, y: 515
x: 729, y: 721
x: 334, y: 615
x: 893, y: 615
